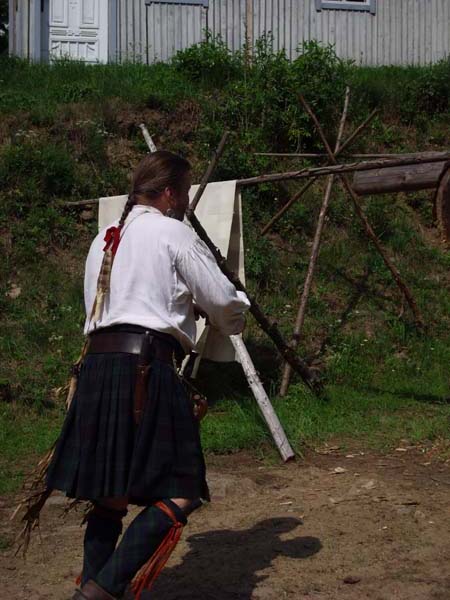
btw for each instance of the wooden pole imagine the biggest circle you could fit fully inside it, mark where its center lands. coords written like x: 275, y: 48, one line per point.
x: 244, y: 358
x: 269, y: 327
x: 148, y: 139
x: 314, y: 253
x: 273, y: 423
x: 299, y: 194
x: 359, y: 129
x: 442, y: 205
x: 315, y: 172
x: 209, y: 171
x: 321, y: 155
x: 365, y: 222
x: 336, y: 169
x: 78, y: 203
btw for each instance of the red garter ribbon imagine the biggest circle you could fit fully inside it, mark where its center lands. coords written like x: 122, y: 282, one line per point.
x: 147, y: 575
x: 112, y: 239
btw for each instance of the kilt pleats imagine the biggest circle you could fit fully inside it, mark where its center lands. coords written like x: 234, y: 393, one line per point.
x: 101, y: 453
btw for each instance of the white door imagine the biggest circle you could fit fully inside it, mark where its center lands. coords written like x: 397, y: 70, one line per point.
x: 79, y: 29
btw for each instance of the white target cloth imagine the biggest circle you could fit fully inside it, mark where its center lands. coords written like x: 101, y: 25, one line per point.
x: 220, y: 213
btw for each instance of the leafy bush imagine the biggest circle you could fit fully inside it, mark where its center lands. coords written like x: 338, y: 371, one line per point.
x: 321, y: 76
x: 433, y: 88
x: 209, y: 61
x: 409, y: 92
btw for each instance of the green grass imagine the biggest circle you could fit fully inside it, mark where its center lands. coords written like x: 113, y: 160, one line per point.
x: 68, y: 82
x: 372, y: 399
x: 70, y: 131
x: 24, y: 436
x: 368, y: 417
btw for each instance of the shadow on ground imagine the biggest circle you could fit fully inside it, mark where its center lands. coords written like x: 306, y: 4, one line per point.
x: 220, y: 381
x: 406, y: 394
x: 226, y: 564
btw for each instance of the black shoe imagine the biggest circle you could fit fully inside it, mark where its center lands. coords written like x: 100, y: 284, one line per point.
x: 92, y: 591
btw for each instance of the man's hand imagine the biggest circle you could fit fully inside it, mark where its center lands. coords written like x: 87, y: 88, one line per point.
x: 198, y: 312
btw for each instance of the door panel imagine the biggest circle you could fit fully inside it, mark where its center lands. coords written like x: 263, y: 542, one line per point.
x: 78, y: 29
x: 90, y: 13
x: 59, y: 13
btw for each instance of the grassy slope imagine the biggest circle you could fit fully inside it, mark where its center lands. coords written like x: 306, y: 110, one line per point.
x: 71, y: 132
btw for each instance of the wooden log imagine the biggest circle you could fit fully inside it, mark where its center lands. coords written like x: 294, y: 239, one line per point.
x: 265, y: 406
x: 300, y: 319
x: 366, y: 225
x: 409, y: 178
x: 336, y: 169
x: 442, y: 205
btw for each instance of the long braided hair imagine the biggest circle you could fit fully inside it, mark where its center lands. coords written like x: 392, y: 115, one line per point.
x: 155, y: 173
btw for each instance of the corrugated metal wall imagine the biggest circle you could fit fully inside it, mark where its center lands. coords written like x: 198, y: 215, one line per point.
x: 401, y: 32
x: 157, y: 31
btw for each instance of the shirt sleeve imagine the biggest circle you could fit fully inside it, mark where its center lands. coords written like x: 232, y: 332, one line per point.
x: 211, y: 290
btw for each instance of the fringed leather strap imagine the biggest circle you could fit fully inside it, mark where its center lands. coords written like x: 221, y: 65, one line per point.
x: 148, y: 574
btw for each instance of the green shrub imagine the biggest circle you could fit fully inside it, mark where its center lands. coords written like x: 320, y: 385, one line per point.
x: 76, y: 91
x: 321, y: 76
x: 210, y: 61
x: 41, y: 167
x: 433, y: 88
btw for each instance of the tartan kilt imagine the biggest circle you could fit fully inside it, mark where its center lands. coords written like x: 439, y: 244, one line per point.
x: 101, y: 453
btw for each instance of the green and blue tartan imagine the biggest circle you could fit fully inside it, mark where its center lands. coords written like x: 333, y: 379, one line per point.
x: 101, y: 453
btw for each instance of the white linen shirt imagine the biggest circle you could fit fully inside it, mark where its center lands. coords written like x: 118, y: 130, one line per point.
x: 160, y: 268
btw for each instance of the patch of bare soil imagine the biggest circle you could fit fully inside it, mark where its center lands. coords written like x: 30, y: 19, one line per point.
x: 329, y: 527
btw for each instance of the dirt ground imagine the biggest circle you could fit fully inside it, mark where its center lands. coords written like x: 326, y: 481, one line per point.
x: 330, y: 526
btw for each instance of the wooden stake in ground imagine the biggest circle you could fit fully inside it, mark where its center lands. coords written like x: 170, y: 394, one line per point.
x: 209, y: 171
x: 309, y: 377
x: 147, y: 137
x: 244, y: 358
x: 305, y: 188
x: 273, y: 423
x: 314, y: 252
x: 367, y: 227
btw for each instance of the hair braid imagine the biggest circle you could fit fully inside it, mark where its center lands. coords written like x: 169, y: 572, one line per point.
x: 131, y: 201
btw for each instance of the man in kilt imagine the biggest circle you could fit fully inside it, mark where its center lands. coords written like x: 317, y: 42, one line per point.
x: 130, y: 435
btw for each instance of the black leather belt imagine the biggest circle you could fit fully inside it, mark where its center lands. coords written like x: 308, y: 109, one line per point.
x: 130, y: 343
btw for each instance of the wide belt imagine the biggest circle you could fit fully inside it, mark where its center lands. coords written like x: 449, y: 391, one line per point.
x: 147, y: 346
x: 130, y: 343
